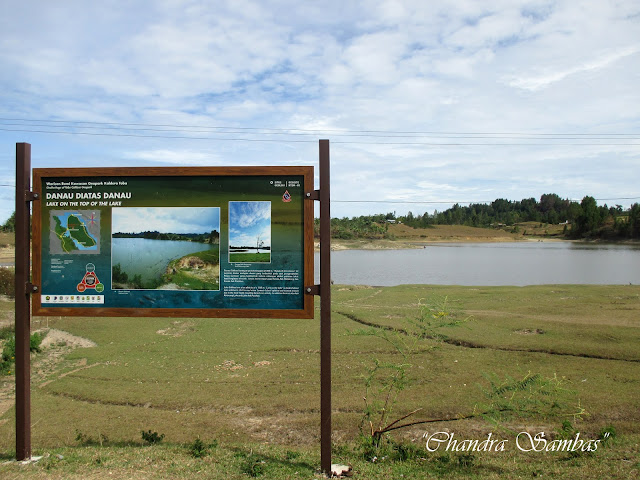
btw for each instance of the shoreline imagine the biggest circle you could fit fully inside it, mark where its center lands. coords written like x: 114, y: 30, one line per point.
x: 363, y: 244
x: 406, y: 244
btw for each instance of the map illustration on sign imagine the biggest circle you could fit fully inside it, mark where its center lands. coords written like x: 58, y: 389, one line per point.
x: 75, y: 231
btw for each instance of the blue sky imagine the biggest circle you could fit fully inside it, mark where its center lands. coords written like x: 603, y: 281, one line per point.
x: 248, y: 222
x: 425, y: 103
x: 165, y: 219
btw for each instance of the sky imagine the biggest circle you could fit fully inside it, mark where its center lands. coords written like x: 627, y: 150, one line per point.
x: 249, y: 222
x: 165, y: 220
x: 425, y: 104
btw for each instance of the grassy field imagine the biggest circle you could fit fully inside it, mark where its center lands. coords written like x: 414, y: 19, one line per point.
x: 251, y: 387
x: 250, y: 257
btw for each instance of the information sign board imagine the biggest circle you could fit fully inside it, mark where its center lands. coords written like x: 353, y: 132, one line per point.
x: 184, y: 242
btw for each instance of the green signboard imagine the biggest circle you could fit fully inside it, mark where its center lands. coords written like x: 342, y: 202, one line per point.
x: 201, y: 242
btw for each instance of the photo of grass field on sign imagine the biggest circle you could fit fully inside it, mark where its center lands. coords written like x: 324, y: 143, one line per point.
x: 250, y: 232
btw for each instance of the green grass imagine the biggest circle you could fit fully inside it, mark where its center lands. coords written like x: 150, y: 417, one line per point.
x: 275, y: 462
x: 208, y: 256
x: 253, y: 386
x: 250, y: 257
x: 188, y: 282
x: 205, y: 279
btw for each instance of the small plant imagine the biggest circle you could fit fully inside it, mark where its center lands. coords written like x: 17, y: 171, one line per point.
x: 82, y: 438
x: 34, y: 342
x: 151, y: 437
x: 466, y: 460
x: 253, y: 465
x: 87, y: 440
x: 607, y: 434
x: 403, y: 452
x: 199, y: 449
x: 384, y: 381
x: 6, y: 333
x: 290, y: 455
x: 8, y: 352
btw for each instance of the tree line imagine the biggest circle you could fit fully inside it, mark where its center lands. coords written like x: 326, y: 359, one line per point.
x: 213, y: 237
x: 583, y: 219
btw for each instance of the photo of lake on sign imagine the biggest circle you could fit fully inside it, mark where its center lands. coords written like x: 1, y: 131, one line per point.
x: 174, y: 248
x: 250, y: 232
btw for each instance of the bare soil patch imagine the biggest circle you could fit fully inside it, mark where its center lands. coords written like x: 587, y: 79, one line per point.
x: 46, y: 365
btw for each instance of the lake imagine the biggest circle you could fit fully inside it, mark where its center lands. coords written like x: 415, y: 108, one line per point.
x: 149, y: 258
x: 518, y: 263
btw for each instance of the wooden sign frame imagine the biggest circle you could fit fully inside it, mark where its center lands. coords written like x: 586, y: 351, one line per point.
x: 69, y: 194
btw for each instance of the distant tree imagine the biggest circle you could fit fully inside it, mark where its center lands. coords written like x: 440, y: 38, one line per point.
x: 588, y: 220
x: 409, y: 218
x: 634, y: 221
x: 10, y: 224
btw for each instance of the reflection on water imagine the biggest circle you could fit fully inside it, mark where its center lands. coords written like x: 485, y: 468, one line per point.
x: 521, y: 263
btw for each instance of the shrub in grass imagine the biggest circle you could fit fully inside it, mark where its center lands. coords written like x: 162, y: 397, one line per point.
x: 151, y: 438
x: 34, y: 342
x: 253, y: 465
x: 466, y: 460
x: 403, y: 452
x: 199, y: 449
x: 607, y: 433
x: 290, y: 455
x: 6, y: 333
x: 87, y: 440
x: 8, y: 353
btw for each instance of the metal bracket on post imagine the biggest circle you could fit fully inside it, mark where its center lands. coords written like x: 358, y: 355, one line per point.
x: 312, y: 290
x: 31, y: 196
x: 315, y: 195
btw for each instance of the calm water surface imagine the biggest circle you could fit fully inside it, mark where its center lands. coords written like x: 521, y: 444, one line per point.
x: 530, y: 263
x: 149, y: 258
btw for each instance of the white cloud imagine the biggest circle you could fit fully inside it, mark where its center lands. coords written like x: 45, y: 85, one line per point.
x: 175, y: 157
x: 598, y: 63
x: 249, y: 214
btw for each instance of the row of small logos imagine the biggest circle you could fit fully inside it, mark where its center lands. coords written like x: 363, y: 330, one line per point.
x: 75, y: 299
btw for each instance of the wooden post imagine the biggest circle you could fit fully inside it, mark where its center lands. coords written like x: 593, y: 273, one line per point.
x: 23, y: 301
x: 325, y: 309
